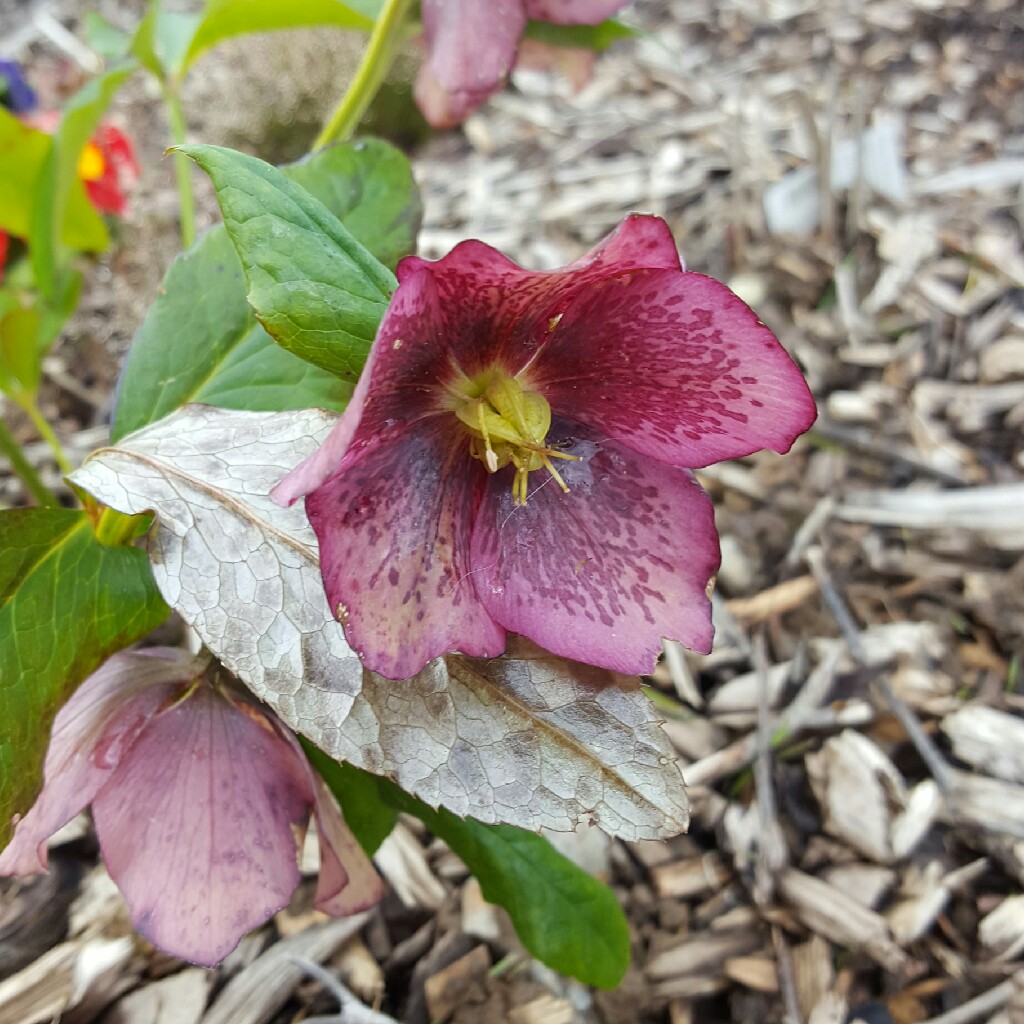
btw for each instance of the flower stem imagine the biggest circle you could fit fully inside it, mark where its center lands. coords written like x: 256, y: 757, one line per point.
x: 117, y: 529
x: 28, y: 403
x: 25, y: 470
x: 182, y: 165
x: 380, y: 51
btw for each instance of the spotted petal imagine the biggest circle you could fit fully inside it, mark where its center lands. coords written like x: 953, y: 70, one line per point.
x: 198, y: 825
x: 394, y: 531
x: 601, y: 573
x: 676, y: 367
x: 484, y: 310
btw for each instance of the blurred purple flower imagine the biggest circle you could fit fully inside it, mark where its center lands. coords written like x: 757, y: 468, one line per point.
x: 609, y: 379
x: 471, y: 47
x: 199, y: 796
x: 15, y: 92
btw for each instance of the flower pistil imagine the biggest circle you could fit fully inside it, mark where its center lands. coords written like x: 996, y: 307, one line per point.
x: 507, y: 424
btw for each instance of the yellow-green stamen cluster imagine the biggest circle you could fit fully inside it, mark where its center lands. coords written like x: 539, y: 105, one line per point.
x: 507, y: 424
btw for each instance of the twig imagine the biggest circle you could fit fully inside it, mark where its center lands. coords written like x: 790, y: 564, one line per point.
x: 803, y: 712
x: 980, y: 1006
x: 352, y: 1010
x: 787, y: 978
x: 930, y: 754
x: 772, y: 852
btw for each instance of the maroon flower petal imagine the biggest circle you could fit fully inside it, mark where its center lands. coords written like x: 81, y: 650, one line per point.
x: 198, y: 826
x: 676, y: 367
x: 470, y: 50
x: 393, y: 525
x: 599, y: 574
x: 91, y: 734
x: 481, y: 310
x: 573, y: 12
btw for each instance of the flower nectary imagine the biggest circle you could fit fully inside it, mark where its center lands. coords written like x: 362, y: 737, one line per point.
x: 517, y: 456
x: 507, y: 424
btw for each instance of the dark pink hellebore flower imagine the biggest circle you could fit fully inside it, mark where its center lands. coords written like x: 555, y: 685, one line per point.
x: 516, y: 456
x: 199, y: 796
x: 471, y: 46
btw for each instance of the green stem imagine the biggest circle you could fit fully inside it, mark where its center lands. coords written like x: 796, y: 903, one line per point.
x: 182, y: 165
x: 29, y: 477
x: 117, y: 529
x: 28, y: 403
x: 387, y: 35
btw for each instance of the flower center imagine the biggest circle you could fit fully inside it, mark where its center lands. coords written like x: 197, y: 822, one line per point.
x: 507, y: 424
x: 91, y: 164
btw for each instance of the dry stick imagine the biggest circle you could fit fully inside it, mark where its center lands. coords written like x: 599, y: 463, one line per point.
x: 802, y: 711
x: 787, y: 977
x: 979, y: 1006
x: 848, y: 627
x: 772, y: 852
x: 352, y: 1010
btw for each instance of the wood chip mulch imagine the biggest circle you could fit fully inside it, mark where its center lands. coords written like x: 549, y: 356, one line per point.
x: 854, y: 746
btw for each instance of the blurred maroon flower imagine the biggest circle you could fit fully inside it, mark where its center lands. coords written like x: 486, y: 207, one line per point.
x: 198, y: 795
x: 471, y: 47
x: 517, y: 453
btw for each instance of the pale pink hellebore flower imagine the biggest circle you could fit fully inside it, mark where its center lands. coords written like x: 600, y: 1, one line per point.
x: 199, y: 796
x: 471, y: 46
x: 517, y: 455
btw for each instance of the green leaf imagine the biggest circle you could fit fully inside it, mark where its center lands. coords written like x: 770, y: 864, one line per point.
x: 104, y: 37
x: 28, y: 331
x: 585, y: 37
x: 368, y: 185
x: 20, y: 366
x: 200, y: 341
x: 224, y: 19
x: 67, y: 603
x: 563, y: 916
x: 366, y: 814
x: 59, y: 174
x: 23, y: 152
x: 318, y: 292
x: 162, y: 40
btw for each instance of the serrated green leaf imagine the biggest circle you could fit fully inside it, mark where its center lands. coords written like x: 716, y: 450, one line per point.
x: 59, y: 173
x: 318, y: 292
x: 585, y: 37
x: 23, y: 152
x: 366, y: 814
x: 200, y: 341
x: 563, y: 916
x: 224, y: 19
x: 67, y: 603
